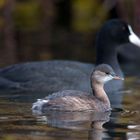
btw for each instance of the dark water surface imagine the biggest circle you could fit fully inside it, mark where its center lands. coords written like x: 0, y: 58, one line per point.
x: 17, y: 122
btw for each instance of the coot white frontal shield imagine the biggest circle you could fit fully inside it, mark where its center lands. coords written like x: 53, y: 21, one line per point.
x: 133, y: 38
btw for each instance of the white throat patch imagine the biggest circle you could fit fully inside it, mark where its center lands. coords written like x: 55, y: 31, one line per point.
x: 107, y: 78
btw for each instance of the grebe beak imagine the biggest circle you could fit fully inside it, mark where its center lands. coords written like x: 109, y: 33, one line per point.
x: 118, y: 78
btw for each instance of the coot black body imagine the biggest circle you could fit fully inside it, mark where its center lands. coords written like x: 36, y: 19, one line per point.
x: 52, y: 76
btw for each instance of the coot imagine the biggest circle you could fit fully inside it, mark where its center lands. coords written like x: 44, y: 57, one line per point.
x: 52, y: 76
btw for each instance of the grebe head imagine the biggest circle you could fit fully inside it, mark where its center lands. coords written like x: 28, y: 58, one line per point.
x: 104, y: 73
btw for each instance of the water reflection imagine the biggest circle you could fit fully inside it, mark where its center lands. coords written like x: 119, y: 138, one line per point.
x: 74, y: 120
x: 89, y: 121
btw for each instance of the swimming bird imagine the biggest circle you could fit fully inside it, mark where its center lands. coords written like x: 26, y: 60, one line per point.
x: 55, y: 75
x: 73, y: 100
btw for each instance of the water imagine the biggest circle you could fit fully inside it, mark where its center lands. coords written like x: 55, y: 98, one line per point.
x: 17, y: 122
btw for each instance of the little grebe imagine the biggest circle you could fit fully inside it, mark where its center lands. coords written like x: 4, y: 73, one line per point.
x: 72, y: 100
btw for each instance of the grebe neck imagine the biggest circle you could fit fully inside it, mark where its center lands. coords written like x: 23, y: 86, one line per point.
x: 99, y: 92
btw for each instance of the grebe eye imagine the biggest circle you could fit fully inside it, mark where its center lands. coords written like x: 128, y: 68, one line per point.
x: 107, y: 73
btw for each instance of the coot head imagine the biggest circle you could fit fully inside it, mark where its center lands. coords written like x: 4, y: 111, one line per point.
x: 117, y: 32
x: 113, y: 34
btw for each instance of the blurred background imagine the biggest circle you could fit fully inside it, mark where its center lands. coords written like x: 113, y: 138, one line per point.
x: 34, y: 30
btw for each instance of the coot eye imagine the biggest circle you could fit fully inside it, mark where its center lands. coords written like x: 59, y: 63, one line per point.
x: 123, y: 28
